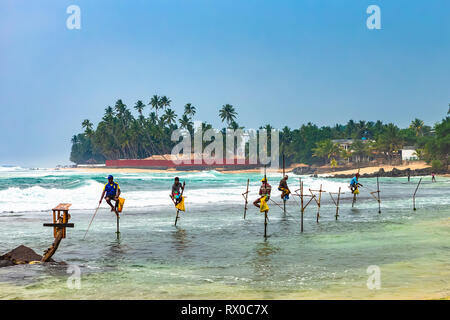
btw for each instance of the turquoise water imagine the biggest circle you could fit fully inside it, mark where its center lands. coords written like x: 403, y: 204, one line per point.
x: 214, y: 252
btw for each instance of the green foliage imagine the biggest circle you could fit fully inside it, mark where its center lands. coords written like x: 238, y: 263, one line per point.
x: 439, y: 147
x: 326, y: 149
x: 436, y: 164
x: 119, y: 135
x: 227, y: 113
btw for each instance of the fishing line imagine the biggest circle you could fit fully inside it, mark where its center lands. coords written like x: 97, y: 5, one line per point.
x: 283, y: 210
x: 91, y: 221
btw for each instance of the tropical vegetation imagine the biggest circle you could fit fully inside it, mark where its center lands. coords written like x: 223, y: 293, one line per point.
x: 123, y: 135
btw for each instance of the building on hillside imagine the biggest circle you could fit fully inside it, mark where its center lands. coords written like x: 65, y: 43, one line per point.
x: 344, y: 143
x: 347, y: 145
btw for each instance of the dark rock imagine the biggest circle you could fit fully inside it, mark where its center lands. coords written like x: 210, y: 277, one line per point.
x: 5, y: 263
x: 394, y: 173
x: 21, y: 254
x: 303, y: 170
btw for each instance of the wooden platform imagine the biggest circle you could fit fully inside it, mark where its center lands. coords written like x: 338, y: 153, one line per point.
x: 62, y: 207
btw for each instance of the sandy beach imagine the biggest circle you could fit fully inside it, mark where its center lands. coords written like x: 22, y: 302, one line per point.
x: 412, y: 165
x: 147, y: 170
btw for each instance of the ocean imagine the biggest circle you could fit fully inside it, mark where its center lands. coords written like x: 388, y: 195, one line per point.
x: 214, y: 253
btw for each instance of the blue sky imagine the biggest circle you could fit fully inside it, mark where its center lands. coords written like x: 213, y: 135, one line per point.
x: 279, y: 62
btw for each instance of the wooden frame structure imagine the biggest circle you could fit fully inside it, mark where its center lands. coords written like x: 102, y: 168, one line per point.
x: 302, y: 206
x: 61, y: 219
x: 317, y: 201
x: 378, y: 195
x: 245, y: 195
x: 336, y: 202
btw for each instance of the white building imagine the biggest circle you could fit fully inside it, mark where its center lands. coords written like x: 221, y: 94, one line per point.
x: 409, y: 153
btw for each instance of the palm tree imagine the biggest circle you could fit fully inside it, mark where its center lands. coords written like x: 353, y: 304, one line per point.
x: 155, y: 102
x: 360, y: 150
x: 139, y: 106
x: 120, y: 107
x: 109, y: 114
x: 170, y: 116
x: 165, y: 102
x: 185, y: 122
x: 361, y: 129
x: 417, y: 126
x: 235, y: 126
x: 227, y: 113
x: 153, y: 118
x: 390, y: 141
x: 189, y: 109
x: 87, y: 126
x: 74, y: 139
x: 419, y: 153
x: 333, y: 164
x: 350, y: 128
x: 326, y: 149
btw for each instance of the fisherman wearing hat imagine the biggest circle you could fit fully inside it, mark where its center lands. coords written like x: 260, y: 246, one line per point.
x: 354, y: 184
x: 264, y: 191
x: 111, y: 191
x: 283, y: 187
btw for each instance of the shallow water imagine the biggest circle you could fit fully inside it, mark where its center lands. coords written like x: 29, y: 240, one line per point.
x: 214, y: 252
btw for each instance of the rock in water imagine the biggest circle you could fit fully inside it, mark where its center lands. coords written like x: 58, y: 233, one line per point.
x: 5, y: 263
x: 20, y: 255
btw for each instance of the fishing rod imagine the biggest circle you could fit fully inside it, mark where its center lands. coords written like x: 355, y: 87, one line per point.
x: 91, y: 221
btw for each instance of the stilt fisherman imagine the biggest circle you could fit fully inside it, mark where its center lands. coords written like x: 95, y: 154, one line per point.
x: 111, y: 192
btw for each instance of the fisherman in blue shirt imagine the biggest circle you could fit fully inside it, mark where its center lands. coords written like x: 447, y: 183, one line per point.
x: 111, y: 191
x: 354, y: 184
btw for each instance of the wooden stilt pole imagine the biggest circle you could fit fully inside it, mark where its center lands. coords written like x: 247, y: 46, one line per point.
x: 378, y: 191
x: 302, y: 207
x: 284, y: 201
x: 118, y: 229
x: 265, y: 224
x: 414, y: 196
x: 302, y: 202
x: 176, y: 217
x: 245, y: 195
x: 265, y: 212
x: 337, y: 203
x: 313, y: 196
x: 354, y: 199
x: 318, y: 204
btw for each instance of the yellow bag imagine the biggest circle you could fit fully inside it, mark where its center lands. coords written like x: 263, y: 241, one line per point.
x: 180, y: 206
x: 263, y: 207
x: 356, y: 191
x: 120, y: 205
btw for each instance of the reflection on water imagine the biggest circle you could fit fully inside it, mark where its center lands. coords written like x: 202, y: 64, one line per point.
x: 262, y: 263
x: 181, y: 242
x: 115, y: 254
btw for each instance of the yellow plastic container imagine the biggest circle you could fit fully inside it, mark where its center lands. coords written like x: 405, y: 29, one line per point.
x: 120, y: 205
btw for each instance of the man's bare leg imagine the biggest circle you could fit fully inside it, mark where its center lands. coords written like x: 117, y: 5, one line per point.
x: 116, y: 210
x: 257, y: 202
x: 108, y: 201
